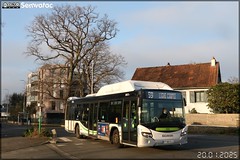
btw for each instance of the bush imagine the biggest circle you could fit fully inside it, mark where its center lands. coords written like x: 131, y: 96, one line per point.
x: 46, y: 133
x: 193, y: 111
x: 28, y: 132
x: 33, y: 132
x: 224, y: 98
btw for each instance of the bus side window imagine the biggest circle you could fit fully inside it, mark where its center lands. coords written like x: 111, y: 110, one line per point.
x: 67, y: 115
x: 83, y: 116
x: 103, y: 112
x: 115, y: 111
x: 72, y: 113
x: 77, y: 112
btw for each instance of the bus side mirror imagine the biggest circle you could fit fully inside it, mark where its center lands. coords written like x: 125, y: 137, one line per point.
x: 184, y: 102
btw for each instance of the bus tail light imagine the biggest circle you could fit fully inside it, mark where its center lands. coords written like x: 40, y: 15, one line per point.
x: 147, y: 134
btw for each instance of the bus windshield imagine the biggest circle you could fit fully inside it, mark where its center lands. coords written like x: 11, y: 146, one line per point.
x: 161, y: 111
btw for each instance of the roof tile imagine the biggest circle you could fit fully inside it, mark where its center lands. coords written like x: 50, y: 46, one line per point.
x: 181, y: 76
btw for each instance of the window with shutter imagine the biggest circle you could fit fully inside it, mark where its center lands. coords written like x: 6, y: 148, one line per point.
x: 192, y: 97
x: 198, y: 96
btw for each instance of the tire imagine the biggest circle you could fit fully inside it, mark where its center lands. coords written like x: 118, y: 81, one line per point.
x: 115, y: 139
x: 77, y: 131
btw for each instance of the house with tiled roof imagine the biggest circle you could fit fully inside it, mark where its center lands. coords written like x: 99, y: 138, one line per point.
x: 193, y: 80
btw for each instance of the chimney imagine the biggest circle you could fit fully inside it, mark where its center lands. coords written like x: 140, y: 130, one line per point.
x: 213, y: 62
x: 168, y: 64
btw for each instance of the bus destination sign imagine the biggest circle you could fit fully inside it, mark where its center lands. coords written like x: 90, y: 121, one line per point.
x: 162, y: 95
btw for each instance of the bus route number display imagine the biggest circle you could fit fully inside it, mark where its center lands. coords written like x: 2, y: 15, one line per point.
x: 162, y: 95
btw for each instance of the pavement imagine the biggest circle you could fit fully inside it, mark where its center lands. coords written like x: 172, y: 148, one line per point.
x: 18, y: 147
x: 15, y: 146
x: 31, y: 148
x: 16, y: 143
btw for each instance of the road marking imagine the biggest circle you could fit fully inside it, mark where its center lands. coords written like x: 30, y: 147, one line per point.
x: 65, y: 139
x: 78, y: 144
x: 62, y: 153
x: 61, y: 145
x: 83, y: 140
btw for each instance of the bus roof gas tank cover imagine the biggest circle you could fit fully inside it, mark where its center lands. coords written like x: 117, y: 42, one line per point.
x: 131, y: 85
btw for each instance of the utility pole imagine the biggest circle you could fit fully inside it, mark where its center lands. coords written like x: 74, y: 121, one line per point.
x: 7, y: 113
x: 24, y: 102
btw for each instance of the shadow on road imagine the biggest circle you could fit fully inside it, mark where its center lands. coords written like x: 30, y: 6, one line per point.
x: 194, y: 141
x: 204, y: 142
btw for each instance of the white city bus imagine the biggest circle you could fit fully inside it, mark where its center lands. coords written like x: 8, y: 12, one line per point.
x: 135, y: 113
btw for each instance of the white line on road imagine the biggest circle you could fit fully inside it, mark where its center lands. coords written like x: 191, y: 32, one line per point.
x: 78, y: 144
x: 62, y: 153
x: 61, y: 145
x: 65, y: 139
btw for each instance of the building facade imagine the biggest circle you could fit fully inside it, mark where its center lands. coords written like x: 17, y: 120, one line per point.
x: 193, y: 80
x: 48, y: 88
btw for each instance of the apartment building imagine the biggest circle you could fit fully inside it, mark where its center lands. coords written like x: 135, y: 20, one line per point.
x: 48, y: 88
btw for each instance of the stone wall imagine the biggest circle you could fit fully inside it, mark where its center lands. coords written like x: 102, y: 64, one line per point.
x: 228, y: 120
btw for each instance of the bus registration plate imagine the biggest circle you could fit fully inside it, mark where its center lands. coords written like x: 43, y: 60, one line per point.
x: 168, y: 141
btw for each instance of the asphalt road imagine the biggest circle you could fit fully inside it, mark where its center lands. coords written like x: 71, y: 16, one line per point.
x: 69, y: 147
x: 199, y: 147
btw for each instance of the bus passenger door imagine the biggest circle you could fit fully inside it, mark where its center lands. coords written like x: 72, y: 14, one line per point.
x: 129, y: 124
x: 92, y: 121
x: 71, y: 118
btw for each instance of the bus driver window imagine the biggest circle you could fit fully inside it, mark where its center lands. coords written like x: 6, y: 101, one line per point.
x: 165, y: 114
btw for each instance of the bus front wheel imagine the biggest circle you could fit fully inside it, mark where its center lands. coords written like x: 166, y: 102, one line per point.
x: 77, y: 131
x: 115, y: 138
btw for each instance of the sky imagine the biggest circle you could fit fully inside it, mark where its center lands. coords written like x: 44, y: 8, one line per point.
x: 150, y: 34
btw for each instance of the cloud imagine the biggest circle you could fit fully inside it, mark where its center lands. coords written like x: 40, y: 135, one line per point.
x: 147, y: 51
x: 185, y: 20
x: 181, y: 34
x: 151, y: 34
x: 193, y: 14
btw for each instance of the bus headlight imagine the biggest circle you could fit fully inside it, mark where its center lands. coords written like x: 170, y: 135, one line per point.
x: 184, y: 132
x: 147, y: 134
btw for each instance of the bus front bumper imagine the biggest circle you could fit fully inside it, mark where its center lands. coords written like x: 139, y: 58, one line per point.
x: 150, y: 142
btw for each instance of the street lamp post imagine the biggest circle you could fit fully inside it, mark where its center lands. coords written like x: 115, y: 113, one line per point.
x: 39, y: 118
x: 24, y: 98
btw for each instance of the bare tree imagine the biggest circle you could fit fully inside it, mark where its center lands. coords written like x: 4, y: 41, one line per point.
x: 101, y: 67
x: 233, y: 80
x: 70, y: 34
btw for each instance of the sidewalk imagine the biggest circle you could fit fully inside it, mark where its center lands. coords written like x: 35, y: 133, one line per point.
x: 15, y: 146
x: 15, y: 143
x: 28, y: 148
